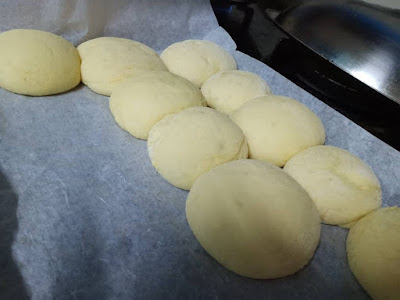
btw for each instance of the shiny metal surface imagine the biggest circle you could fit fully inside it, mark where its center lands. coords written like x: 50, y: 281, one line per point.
x: 361, y: 39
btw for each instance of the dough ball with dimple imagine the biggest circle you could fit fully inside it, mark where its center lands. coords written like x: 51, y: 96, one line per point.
x: 37, y: 63
x: 373, y: 253
x: 229, y: 90
x: 184, y: 145
x: 142, y: 101
x: 197, y: 60
x: 108, y: 61
x: 278, y: 127
x: 254, y: 219
x: 343, y: 187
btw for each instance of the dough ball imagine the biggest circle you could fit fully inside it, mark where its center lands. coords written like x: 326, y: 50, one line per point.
x: 229, y: 90
x: 254, y: 219
x: 184, y: 145
x: 348, y: 225
x: 37, y: 63
x: 144, y: 100
x: 373, y: 253
x: 343, y: 187
x: 278, y: 127
x: 197, y: 60
x: 107, y: 61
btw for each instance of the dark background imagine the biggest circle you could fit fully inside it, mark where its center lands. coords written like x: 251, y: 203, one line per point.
x: 258, y: 36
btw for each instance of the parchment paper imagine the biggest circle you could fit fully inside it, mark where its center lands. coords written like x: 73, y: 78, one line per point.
x: 94, y: 220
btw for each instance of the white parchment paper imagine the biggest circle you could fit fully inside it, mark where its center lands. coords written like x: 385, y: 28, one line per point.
x: 94, y: 220
x: 157, y: 23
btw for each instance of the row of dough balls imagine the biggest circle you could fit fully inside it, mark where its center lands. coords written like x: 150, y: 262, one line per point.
x: 39, y: 63
x: 250, y: 215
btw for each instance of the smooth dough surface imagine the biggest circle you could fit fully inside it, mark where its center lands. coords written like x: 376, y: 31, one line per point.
x: 197, y: 60
x: 373, y: 253
x: 254, y: 219
x: 278, y: 127
x: 184, y: 145
x: 343, y: 187
x: 108, y: 61
x: 348, y: 225
x: 145, y: 99
x: 227, y: 91
x: 37, y: 63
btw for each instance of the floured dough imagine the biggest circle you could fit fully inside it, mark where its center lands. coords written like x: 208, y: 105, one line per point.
x: 228, y: 90
x: 373, y: 253
x: 144, y: 100
x: 37, y: 63
x: 184, y: 145
x: 254, y: 219
x: 278, y: 127
x: 197, y: 60
x: 108, y: 61
x: 343, y: 187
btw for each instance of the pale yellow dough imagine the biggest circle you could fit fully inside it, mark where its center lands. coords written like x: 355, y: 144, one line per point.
x: 227, y: 91
x: 343, y: 187
x: 197, y: 60
x: 108, y: 61
x: 373, y: 253
x: 37, y: 63
x: 254, y: 219
x: 278, y: 127
x: 348, y: 225
x: 144, y: 100
x: 184, y: 145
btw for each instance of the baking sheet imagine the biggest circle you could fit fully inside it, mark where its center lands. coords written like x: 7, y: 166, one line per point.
x: 90, y: 216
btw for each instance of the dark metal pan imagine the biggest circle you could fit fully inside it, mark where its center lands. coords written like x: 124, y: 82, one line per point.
x: 361, y: 39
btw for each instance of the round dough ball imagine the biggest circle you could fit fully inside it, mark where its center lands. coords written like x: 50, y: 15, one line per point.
x: 107, y: 61
x: 373, y: 253
x: 254, y: 219
x: 278, y: 127
x: 343, y: 187
x: 37, y: 63
x: 184, y: 145
x: 228, y: 90
x: 197, y: 60
x: 144, y: 100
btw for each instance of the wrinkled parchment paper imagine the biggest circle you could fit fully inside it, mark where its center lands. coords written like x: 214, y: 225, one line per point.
x: 94, y: 220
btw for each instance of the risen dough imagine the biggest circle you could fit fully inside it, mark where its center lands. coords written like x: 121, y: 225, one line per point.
x: 145, y: 99
x: 37, y: 63
x: 107, y: 61
x: 197, y: 60
x: 254, y: 219
x: 343, y: 187
x: 184, y: 145
x: 228, y: 90
x: 278, y: 127
x: 373, y: 253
